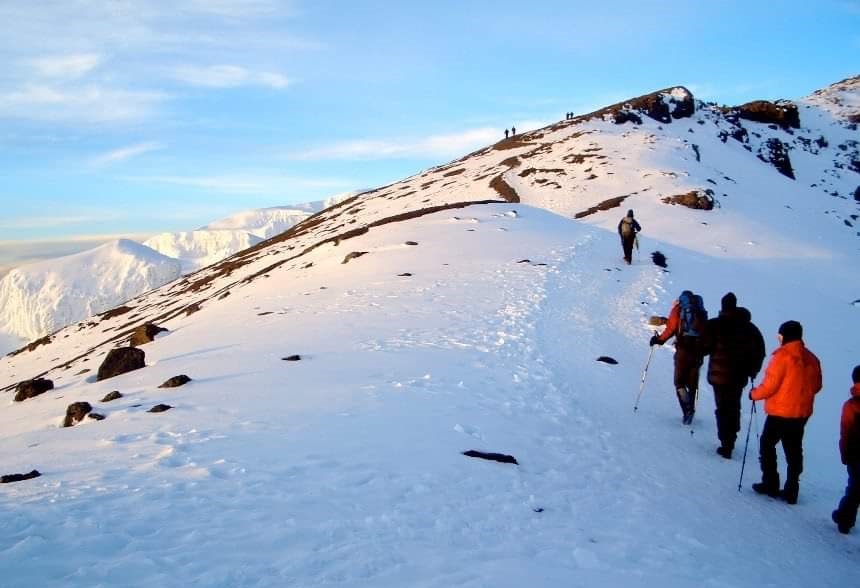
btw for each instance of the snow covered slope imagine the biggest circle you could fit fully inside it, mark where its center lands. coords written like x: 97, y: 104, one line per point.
x: 462, y: 308
x: 41, y: 297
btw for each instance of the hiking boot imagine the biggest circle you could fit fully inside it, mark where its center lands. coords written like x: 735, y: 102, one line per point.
x: 843, y: 528
x: 768, y: 489
x: 789, y: 493
x: 724, y: 452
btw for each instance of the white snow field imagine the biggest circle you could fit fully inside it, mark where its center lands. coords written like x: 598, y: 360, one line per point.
x: 457, y: 324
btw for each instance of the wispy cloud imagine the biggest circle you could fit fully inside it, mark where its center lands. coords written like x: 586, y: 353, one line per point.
x: 236, y: 8
x: 65, y: 66
x: 50, y: 222
x: 248, y: 183
x: 446, y: 145
x: 91, y: 103
x: 227, y: 76
x: 125, y: 153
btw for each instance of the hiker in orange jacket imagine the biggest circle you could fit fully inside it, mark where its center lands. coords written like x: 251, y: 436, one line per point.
x: 849, y: 449
x: 792, y: 380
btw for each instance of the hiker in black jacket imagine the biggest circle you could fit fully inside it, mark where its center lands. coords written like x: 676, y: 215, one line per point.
x: 736, y: 347
x: 627, y: 229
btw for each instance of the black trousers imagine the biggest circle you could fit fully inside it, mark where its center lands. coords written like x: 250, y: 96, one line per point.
x: 687, y: 365
x: 847, y: 511
x: 790, y: 433
x: 728, y: 413
x: 627, y: 246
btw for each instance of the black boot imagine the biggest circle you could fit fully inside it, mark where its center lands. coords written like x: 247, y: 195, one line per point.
x: 725, y: 451
x: 767, y: 486
x: 843, y: 528
x: 789, y: 492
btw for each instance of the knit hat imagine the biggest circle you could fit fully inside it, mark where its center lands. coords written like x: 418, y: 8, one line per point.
x: 790, y: 331
x: 630, y: 213
x: 729, y: 302
x: 855, y: 375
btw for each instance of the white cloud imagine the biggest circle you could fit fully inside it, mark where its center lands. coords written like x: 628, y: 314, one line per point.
x: 124, y: 153
x: 247, y: 183
x: 227, y: 76
x: 90, y: 104
x: 45, y: 222
x: 66, y: 66
x: 235, y: 8
x: 448, y: 145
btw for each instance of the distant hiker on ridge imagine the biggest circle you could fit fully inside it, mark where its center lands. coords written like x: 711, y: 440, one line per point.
x: 513, y: 131
x: 686, y: 323
x: 737, y: 351
x: 506, y: 133
x: 849, y: 448
x: 792, y: 380
x: 627, y: 229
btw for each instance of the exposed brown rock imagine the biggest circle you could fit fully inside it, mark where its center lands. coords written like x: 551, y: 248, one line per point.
x: 119, y: 310
x: 76, y: 412
x: 32, y: 388
x: 145, y: 334
x: 120, y: 361
x: 504, y: 189
x: 115, y: 395
x: 696, y: 199
x: 176, y: 381
x: 160, y: 408
x: 782, y: 113
x: 605, y: 205
x: 353, y: 255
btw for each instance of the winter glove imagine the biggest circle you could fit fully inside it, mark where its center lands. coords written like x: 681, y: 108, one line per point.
x: 655, y: 340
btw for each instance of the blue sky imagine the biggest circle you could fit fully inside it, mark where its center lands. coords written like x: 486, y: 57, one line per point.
x: 133, y: 117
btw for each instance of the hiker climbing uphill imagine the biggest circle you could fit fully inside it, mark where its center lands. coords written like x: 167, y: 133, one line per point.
x: 627, y: 230
x: 791, y: 381
x: 686, y: 323
x: 736, y: 350
x: 845, y: 516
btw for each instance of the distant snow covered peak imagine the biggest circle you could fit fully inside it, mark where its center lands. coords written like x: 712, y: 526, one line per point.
x: 39, y: 298
x: 197, y: 249
x: 841, y: 99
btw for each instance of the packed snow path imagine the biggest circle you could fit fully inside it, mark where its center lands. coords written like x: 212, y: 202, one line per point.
x: 346, y: 469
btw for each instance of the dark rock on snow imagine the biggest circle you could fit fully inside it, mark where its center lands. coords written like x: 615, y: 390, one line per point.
x: 411, y: 243
x: 292, y: 358
x: 120, y: 361
x: 31, y: 388
x: 695, y: 199
x: 96, y: 416
x: 112, y: 396
x: 781, y: 113
x: 404, y: 275
x: 607, y: 359
x: 144, y: 334
x: 160, y: 408
x: 353, y: 255
x: 76, y: 412
x: 8, y: 478
x: 500, y: 457
x: 659, y: 259
x: 176, y: 381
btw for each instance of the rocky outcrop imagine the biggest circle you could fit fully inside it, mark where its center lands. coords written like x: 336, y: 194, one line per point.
x: 32, y: 388
x: 663, y: 106
x: 176, y: 381
x: 781, y: 113
x: 120, y: 361
x: 145, y: 334
x: 696, y: 199
x: 110, y: 396
x: 775, y: 152
x: 76, y: 412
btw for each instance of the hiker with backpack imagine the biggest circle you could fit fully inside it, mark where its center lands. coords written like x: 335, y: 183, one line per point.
x: 849, y: 449
x: 736, y: 350
x: 686, y: 323
x: 627, y: 230
x: 791, y: 381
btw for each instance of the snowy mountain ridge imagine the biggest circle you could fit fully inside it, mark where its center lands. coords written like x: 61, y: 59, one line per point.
x: 464, y: 308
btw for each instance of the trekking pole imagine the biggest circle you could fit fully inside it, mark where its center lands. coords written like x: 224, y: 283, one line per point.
x: 644, y: 373
x: 746, y: 445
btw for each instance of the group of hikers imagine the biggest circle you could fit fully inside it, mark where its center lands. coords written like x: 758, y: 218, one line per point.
x: 736, y: 351
x: 510, y: 133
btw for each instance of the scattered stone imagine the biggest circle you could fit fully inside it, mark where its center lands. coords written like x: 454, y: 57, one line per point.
x: 32, y: 388
x: 264, y: 313
x: 538, y: 509
x: 115, y: 395
x: 657, y: 321
x: 120, y: 361
x: 353, y: 255
x: 96, y: 416
x: 500, y: 457
x: 404, y: 275
x: 192, y: 308
x: 411, y: 243
x: 82, y: 372
x: 8, y: 478
x: 775, y: 152
x: 525, y: 261
x: 659, y: 259
x: 292, y: 358
x: 695, y: 199
x: 176, y: 381
x: 607, y: 359
x: 145, y: 334
x: 76, y: 412
x: 160, y: 408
